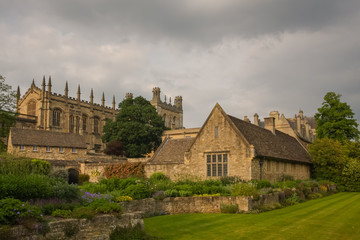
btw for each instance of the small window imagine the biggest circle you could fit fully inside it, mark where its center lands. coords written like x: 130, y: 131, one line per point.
x: 22, y: 148
x: 48, y: 149
x: 35, y: 148
x: 73, y: 150
x: 61, y: 149
x: 216, y: 132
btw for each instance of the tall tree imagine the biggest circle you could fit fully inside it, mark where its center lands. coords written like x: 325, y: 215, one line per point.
x: 335, y: 119
x: 137, y: 126
x: 7, y: 115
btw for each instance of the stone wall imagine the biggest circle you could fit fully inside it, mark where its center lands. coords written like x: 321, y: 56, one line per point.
x: 179, y: 205
x: 99, y: 228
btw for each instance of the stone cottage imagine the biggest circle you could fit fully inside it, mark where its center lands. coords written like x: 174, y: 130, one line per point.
x: 228, y: 146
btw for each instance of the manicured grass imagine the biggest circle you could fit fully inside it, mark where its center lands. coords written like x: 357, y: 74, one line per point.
x: 333, y: 217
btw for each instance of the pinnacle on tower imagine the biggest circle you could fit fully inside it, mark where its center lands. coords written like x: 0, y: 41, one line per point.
x: 92, y: 96
x: 156, y: 94
x: 103, y: 100
x: 78, y: 93
x: 66, y: 89
x: 49, y: 85
x: 18, y: 93
x: 33, y: 83
x: 43, y: 83
x: 113, y: 102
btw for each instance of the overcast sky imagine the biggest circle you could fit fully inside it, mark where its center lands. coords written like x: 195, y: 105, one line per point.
x: 250, y: 56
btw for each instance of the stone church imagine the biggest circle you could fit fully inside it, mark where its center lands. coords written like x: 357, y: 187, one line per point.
x: 46, y: 118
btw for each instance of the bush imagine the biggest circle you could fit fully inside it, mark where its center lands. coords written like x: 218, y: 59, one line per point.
x: 243, y: 189
x: 294, y: 199
x: 60, y: 174
x: 12, y: 210
x: 129, y: 233
x: 83, y: 212
x: 48, y: 206
x: 138, y: 191
x: 15, y: 166
x: 172, y: 193
x: 61, y: 213
x: 159, y: 195
x: 261, y: 183
x: 230, y: 180
x: 229, y: 208
x: 40, y: 167
x: 106, y: 207
x: 285, y: 184
x: 158, y: 176
x: 83, y: 178
x: 65, y: 191
x: 25, y: 187
x: 123, y: 199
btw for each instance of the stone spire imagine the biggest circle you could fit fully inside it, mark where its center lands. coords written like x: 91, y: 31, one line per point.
x: 66, y: 89
x: 113, y: 102
x: 17, y: 98
x: 49, y: 85
x: 33, y: 84
x: 92, y: 96
x: 18, y: 93
x: 178, y: 102
x: 43, y: 84
x: 103, y: 100
x: 78, y: 93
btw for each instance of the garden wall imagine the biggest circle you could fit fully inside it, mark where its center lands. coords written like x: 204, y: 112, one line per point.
x: 178, y: 205
x: 99, y: 228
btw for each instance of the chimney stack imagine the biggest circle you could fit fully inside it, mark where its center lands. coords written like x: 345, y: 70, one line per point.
x: 256, y: 119
x: 270, y: 124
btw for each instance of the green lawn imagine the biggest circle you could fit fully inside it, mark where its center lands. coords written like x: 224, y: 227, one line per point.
x: 333, y: 217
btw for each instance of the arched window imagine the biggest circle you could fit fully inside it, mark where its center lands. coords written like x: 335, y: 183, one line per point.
x: 77, y: 125
x: 84, y: 122
x: 56, y: 117
x: 31, y: 108
x: 96, y: 125
x: 71, y: 124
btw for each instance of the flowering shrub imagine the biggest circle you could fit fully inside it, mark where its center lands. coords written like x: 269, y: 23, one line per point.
x: 61, y: 213
x: 159, y: 195
x: 124, y: 170
x: 123, y: 199
x: 88, y: 198
x: 12, y: 210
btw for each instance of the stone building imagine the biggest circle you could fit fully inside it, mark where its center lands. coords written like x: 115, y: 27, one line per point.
x: 299, y: 126
x: 228, y: 146
x: 42, y: 109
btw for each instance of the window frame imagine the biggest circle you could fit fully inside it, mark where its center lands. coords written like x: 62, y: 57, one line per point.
x: 48, y: 149
x: 73, y: 150
x: 35, y: 148
x: 61, y: 149
x: 22, y: 147
x: 217, y: 164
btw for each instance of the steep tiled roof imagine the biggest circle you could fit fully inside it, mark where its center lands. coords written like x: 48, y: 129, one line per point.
x: 172, y: 150
x: 266, y: 144
x: 30, y: 137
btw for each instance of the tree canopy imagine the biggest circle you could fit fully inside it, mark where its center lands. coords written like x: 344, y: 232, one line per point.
x: 7, y: 115
x: 335, y: 119
x: 137, y: 126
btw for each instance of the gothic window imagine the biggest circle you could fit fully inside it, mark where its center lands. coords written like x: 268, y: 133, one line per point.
x: 84, y: 122
x: 31, y: 108
x: 77, y: 125
x: 96, y: 125
x: 71, y: 124
x: 216, y: 164
x: 56, y: 117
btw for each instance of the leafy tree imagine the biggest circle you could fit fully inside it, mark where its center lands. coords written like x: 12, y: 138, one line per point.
x: 115, y: 148
x: 7, y: 115
x: 137, y: 126
x: 329, y: 159
x: 337, y: 162
x: 335, y: 119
